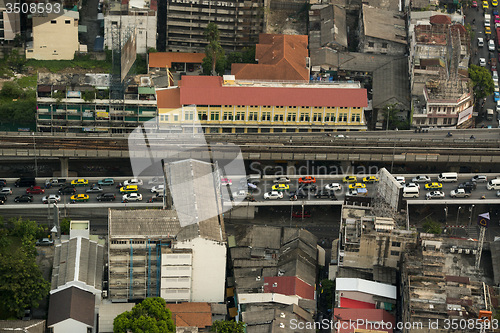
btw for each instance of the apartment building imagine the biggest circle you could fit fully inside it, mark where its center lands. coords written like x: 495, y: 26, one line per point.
x: 81, y: 103
x: 239, y: 23
x: 10, y: 24
x: 226, y: 105
x: 55, y: 37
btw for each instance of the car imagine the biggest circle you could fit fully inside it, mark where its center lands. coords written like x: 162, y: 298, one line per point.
x: 6, y: 190
x: 24, y: 198
x: 35, y: 190
x: 400, y: 179
x: 357, y: 185
x: 273, y: 195
x: 156, y: 199
x: 479, y: 179
x: 494, y: 3
x: 52, y: 198
x: 106, y: 182
x: 132, y: 197
x: 434, y: 195
x: 307, y: 180
x: 497, y: 20
x: 3, y: 197
x: 460, y: 193
x: 294, y: 195
x: 79, y: 182
x: 421, y: 179
x: 106, y: 197
x: 129, y: 189
x: 44, y: 242
x: 281, y: 180
x: 480, y: 42
x: 333, y: 187
x: 494, y: 12
x: 494, y: 76
x: 281, y: 187
x: 94, y: 189
x: 226, y: 181
x: 487, y: 30
x: 485, y: 5
x: 133, y: 181
x: 370, y: 179
x: 157, y: 188
x: 80, y: 197
x: 357, y: 192
x: 417, y: 185
x: 471, y: 186
x: 67, y: 190
x: 325, y: 194
x: 3, y: 182
x: 350, y: 179
x: 496, y: 96
x: 249, y: 186
x: 240, y: 194
x: 474, y: 4
x: 156, y: 180
x: 433, y: 186
x: 307, y: 188
x: 300, y: 214
x: 482, y: 62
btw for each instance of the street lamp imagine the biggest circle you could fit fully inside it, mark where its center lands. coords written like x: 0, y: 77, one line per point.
x: 446, y: 213
x: 458, y: 214
x: 34, y: 150
x: 471, y: 209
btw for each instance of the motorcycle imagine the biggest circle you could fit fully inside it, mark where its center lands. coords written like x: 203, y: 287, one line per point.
x: 449, y: 135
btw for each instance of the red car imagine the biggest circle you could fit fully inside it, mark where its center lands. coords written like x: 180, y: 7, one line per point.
x: 474, y: 4
x: 35, y: 190
x: 300, y: 215
x: 307, y: 180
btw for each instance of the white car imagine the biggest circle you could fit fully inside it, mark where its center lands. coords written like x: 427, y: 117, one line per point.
x: 53, y: 198
x: 401, y: 180
x: 240, y: 194
x: 494, y: 76
x: 482, y: 62
x: 333, y: 187
x: 273, y: 195
x: 158, y: 189
x: 133, y: 181
x: 281, y: 180
x: 480, y: 179
x: 412, y: 185
x: 435, y: 195
x: 132, y: 197
x: 491, y: 45
x: 421, y: 179
x: 480, y: 42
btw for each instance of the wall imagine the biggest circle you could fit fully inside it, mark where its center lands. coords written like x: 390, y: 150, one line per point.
x: 70, y: 325
x: 145, y: 25
x: 12, y: 25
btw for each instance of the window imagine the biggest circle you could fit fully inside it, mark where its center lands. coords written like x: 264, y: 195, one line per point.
x: 278, y: 117
x: 176, y: 117
x: 214, y: 115
x: 228, y: 116
x: 330, y: 117
x: 240, y: 116
x: 396, y: 244
x: 355, y: 118
x: 253, y: 116
x: 291, y: 117
x: 188, y: 115
x: 304, y: 117
x: 371, y: 44
x: 202, y: 115
x: 394, y: 253
x: 342, y: 117
x: 266, y: 116
x: 53, y: 22
x: 67, y: 21
x: 317, y: 117
x: 384, y: 45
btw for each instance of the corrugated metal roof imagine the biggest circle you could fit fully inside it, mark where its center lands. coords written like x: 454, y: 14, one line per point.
x: 144, y: 222
x: 366, y: 286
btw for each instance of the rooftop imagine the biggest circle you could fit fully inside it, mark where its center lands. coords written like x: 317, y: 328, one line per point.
x: 71, y: 303
x: 365, y: 286
x: 384, y: 24
x: 143, y: 223
x: 191, y: 314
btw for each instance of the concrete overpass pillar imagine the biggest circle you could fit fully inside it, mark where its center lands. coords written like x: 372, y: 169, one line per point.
x: 290, y: 168
x: 64, y: 166
x: 346, y: 168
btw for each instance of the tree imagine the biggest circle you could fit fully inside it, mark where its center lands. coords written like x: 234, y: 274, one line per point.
x: 431, y: 226
x: 213, y: 49
x: 65, y: 222
x: 21, y: 282
x: 150, y: 316
x: 390, y: 111
x: 481, y: 81
x: 228, y: 326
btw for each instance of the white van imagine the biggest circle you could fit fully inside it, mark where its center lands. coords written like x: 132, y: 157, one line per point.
x: 448, y: 177
x: 493, y: 184
x: 411, y: 192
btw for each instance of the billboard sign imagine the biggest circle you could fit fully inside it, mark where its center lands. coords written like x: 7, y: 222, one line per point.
x: 483, y: 220
x: 465, y: 115
x: 128, y: 55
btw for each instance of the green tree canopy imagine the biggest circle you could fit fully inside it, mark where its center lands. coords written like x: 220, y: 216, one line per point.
x: 213, y: 50
x: 481, y: 81
x: 21, y: 282
x: 150, y: 316
x: 431, y: 226
x: 228, y: 326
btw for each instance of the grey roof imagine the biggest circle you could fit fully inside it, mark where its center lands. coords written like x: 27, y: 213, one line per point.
x: 71, y: 303
x: 95, y: 80
x: 291, y: 234
x: 218, y: 308
x: 108, y: 313
x: 258, y: 236
x: 87, y: 267
x: 327, y: 26
x: 31, y: 326
x: 384, y: 24
x: 349, y: 61
x: 142, y: 223
x: 384, y: 4
x: 391, y: 84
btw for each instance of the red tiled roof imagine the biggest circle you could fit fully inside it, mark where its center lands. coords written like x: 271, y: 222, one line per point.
x: 288, y: 285
x: 208, y: 90
x: 168, y: 98
x: 165, y: 59
x: 280, y: 57
x: 440, y: 19
x: 191, y: 314
x: 367, y: 315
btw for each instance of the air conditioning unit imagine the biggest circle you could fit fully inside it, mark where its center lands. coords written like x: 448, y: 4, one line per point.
x: 104, y: 294
x: 258, y: 278
x: 467, y: 251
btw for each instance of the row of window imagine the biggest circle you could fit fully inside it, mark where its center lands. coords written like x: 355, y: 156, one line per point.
x: 281, y: 107
x: 266, y: 116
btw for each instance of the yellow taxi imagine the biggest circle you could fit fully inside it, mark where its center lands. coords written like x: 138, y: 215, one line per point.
x: 485, y: 5
x: 129, y: 189
x: 281, y: 187
x: 80, y: 197
x: 350, y: 179
x: 433, y: 186
x: 494, y: 3
x: 80, y: 182
x: 487, y: 30
x: 370, y: 179
x: 357, y: 185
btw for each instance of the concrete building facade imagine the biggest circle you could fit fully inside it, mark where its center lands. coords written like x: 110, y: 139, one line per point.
x: 10, y: 24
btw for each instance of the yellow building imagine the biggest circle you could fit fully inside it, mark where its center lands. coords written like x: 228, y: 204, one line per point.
x: 55, y: 37
x: 230, y: 106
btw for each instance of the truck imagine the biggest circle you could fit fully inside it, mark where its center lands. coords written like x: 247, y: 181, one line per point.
x: 489, y: 114
x: 460, y: 193
x: 55, y: 182
x: 487, y: 19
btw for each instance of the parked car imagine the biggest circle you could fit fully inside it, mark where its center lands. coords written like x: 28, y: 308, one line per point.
x: 80, y: 197
x: 79, y: 182
x: 24, y: 198
x: 307, y: 180
x: 67, y: 190
x: 132, y: 197
x: 35, y: 190
x: 94, y: 189
x: 479, y: 179
x: 434, y: 195
x: 106, y: 197
x: 421, y: 179
x: 44, y: 242
x: 52, y: 198
x: 6, y: 190
x: 474, y: 4
x: 482, y: 62
x: 106, y: 182
x: 133, y: 181
x: 273, y: 195
x: 281, y: 180
x: 333, y: 187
